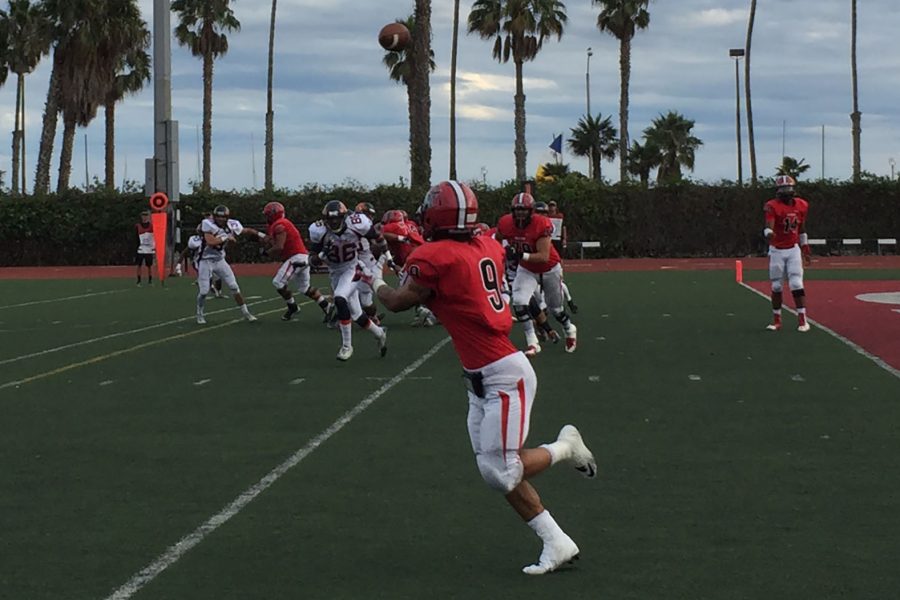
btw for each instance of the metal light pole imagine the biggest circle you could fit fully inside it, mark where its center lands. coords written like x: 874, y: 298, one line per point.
x: 893, y: 164
x: 737, y: 54
x: 587, y: 93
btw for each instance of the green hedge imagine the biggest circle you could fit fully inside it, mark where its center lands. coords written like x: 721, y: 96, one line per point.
x: 681, y: 220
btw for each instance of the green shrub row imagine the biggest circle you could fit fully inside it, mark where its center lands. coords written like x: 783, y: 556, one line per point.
x: 674, y: 221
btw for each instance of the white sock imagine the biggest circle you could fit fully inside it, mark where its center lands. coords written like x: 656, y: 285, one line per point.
x: 291, y: 300
x: 558, y: 450
x: 244, y: 309
x: 530, y: 336
x: 546, y: 527
x: 375, y: 329
x: 201, y: 302
x: 346, y: 335
x: 566, y: 293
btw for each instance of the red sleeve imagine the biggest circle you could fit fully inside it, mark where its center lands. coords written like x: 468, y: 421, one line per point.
x: 421, y: 270
x: 542, y: 227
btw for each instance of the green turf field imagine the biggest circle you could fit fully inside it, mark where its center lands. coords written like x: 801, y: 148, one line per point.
x: 734, y: 463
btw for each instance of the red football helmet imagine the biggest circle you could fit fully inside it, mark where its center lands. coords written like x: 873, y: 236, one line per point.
x: 784, y: 186
x: 392, y: 216
x: 522, y: 208
x: 450, y: 207
x: 482, y: 228
x: 273, y: 211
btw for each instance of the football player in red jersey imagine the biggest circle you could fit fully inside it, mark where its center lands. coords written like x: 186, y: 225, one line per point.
x: 284, y: 242
x: 785, y: 232
x: 528, y: 235
x: 458, y: 275
x: 542, y: 208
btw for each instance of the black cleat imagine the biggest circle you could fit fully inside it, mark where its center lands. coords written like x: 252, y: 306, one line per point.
x: 289, y: 313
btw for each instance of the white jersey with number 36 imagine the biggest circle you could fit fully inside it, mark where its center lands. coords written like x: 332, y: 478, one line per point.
x: 341, y: 250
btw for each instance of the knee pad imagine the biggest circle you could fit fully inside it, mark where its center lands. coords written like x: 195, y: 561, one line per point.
x: 777, y: 285
x: 521, y: 313
x: 795, y: 282
x: 343, y: 308
x: 798, y: 293
x: 534, y: 307
x: 561, y: 316
x: 498, y: 474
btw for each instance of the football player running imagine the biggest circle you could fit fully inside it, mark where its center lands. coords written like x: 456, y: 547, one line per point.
x: 542, y: 208
x: 528, y: 236
x: 458, y: 275
x: 284, y: 242
x: 372, y: 253
x: 217, y: 232
x: 402, y: 236
x: 785, y: 232
x: 336, y: 241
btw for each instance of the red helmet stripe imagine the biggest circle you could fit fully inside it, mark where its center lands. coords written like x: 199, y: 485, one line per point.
x: 461, y: 199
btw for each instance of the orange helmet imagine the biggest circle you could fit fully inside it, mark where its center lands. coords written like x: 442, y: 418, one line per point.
x: 784, y: 186
x: 450, y: 207
x: 273, y: 211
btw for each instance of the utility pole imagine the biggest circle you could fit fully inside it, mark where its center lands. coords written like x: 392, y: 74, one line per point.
x: 737, y: 54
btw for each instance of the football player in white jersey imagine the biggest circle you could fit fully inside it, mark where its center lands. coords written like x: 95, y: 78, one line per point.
x: 337, y: 240
x: 217, y: 232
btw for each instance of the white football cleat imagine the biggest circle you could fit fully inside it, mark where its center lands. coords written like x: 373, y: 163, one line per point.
x: 581, y: 456
x: 382, y: 342
x: 804, y: 327
x: 533, y: 350
x: 774, y: 327
x: 345, y: 353
x: 250, y: 317
x: 201, y: 319
x: 554, y: 555
x: 571, y: 338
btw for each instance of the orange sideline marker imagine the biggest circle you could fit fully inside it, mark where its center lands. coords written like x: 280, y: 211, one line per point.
x: 159, y: 218
x: 738, y: 269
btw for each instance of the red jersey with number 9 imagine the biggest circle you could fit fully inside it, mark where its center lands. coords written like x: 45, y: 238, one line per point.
x: 525, y: 240
x: 465, y: 278
x: 293, y: 243
x: 788, y: 218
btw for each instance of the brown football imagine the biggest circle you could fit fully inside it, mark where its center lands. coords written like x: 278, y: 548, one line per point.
x: 394, y: 37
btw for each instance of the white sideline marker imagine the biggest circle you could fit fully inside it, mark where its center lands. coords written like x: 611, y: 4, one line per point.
x: 177, y: 550
x: 297, y: 381
x: 695, y: 378
x: 106, y: 382
x: 856, y: 347
x: 202, y: 382
x: 594, y: 378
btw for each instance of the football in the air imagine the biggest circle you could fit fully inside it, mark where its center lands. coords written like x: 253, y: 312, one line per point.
x: 394, y: 37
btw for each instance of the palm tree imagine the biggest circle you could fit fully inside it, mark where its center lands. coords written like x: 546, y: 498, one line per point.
x: 129, y: 77
x: 400, y: 68
x: 855, y: 116
x: 551, y: 171
x: 28, y: 33
x: 752, y: 141
x: 89, y: 54
x: 519, y: 28
x: 453, y: 52
x: 643, y: 159
x: 622, y: 19
x: 202, y: 28
x: 270, y: 113
x: 421, y: 58
x: 793, y: 167
x: 596, y: 138
x: 671, y: 133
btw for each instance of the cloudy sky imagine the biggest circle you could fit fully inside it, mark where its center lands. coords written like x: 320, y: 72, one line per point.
x: 338, y: 117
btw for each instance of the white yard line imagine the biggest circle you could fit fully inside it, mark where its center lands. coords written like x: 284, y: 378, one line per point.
x: 51, y: 300
x: 177, y: 550
x: 856, y: 347
x: 120, y: 334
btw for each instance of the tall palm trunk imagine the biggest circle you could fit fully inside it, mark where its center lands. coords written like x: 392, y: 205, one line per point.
x: 48, y: 131
x: 22, y: 136
x: 625, y: 73
x: 752, y: 142
x: 207, y: 119
x: 420, y: 151
x: 109, y: 114
x: 453, y: 53
x: 855, y: 116
x: 65, y: 153
x: 521, y: 152
x: 17, y: 133
x: 596, y: 160
x: 270, y: 114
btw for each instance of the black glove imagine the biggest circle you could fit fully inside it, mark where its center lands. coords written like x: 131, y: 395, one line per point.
x: 512, y: 254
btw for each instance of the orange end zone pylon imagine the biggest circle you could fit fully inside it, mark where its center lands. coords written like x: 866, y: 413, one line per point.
x: 158, y: 203
x: 739, y: 271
